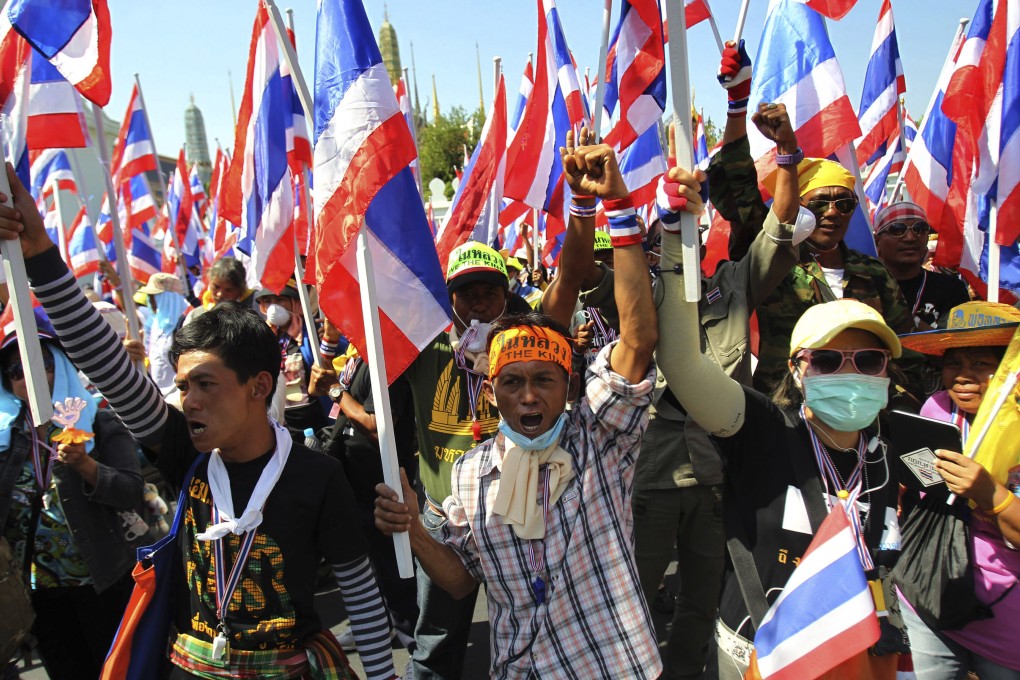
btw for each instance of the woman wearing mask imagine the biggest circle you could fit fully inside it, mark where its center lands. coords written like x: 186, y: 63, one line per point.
x: 790, y: 460
x: 971, y: 349
x: 69, y: 512
x: 166, y: 300
x: 284, y: 316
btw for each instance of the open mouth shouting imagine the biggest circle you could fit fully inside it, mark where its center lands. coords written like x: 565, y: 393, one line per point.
x: 531, y: 424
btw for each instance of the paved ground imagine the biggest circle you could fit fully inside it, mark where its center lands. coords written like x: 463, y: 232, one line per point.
x: 330, y: 606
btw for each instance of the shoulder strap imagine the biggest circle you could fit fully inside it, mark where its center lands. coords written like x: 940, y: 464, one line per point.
x: 189, y: 475
x: 743, y: 566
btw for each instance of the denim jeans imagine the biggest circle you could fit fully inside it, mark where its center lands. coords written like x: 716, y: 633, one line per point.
x: 937, y: 657
x: 444, y: 623
x: 692, y: 517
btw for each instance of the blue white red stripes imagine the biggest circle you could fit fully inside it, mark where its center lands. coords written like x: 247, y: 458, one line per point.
x: 471, y: 216
x: 642, y: 164
x: 15, y: 81
x: 883, y: 85
x: 55, y: 118
x: 81, y: 246
x: 181, y: 209
x: 134, y: 151
x: 825, y: 614
x: 636, y: 62
x: 257, y: 192
x: 362, y: 149
x: 50, y: 170
x: 74, y: 35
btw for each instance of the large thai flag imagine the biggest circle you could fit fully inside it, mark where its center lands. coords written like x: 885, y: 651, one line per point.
x: 642, y: 164
x: 15, y: 81
x: 883, y: 85
x: 534, y: 171
x: 55, y: 118
x: 257, y: 193
x: 73, y: 35
x: 825, y: 614
x: 81, y: 246
x: 515, y: 210
x: 796, y: 65
x: 362, y: 182
x: 473, y: 215
x: 134, y: 152
x: 636, y: 62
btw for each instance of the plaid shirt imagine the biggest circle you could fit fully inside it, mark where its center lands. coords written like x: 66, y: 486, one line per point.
x: 594, y: 621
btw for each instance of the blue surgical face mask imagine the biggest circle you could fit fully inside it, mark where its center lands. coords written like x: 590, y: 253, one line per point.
x: 846, y: 402
x: 542, y: 441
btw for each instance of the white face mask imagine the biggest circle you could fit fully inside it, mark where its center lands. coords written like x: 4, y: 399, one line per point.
x: 476, y: 339
x: 277, y: 315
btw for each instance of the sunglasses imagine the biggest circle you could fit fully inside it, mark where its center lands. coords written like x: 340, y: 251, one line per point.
x: 844, y: 206
x: 16, y: 371
x: 828, y: 361
x: 899, y: 229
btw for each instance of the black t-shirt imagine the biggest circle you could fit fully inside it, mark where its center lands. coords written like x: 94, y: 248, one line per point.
x: 766, y: 462
x: 306, y: 518
x: 932, y: 294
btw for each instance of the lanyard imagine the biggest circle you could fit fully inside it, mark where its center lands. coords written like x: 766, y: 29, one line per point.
x: 474, y: 386
x: 920, y: 293
x: 536, y: 558
x: 42, y: 466
x: 959, y: 418
x: 848, y: 493
x: 602, y: 328
x: 227, y: 583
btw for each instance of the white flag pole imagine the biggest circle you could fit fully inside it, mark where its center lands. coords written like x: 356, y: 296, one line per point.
x: 24, y: 318
x: 381, y: 395
x: 123, y: 269
x: 715, y: 28
x: 494, y: 200
x: 681, y: 95
x: 947, y: 64
x: 602, y: 73
x: 993, y: 252
x: 741, y: 18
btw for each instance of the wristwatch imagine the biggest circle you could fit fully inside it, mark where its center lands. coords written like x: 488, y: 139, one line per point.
x: 336, y: 392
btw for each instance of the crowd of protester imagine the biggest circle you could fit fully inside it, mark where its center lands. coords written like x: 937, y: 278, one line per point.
x: 569, y: 436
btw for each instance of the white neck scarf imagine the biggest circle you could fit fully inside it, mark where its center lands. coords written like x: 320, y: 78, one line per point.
x: 517, y: 495
x: 219, y: 486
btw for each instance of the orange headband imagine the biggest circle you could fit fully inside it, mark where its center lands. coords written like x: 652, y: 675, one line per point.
x: 528, y: 343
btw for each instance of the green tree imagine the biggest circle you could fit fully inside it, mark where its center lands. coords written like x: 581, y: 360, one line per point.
x: 441, y: 144
x: 712, y: 133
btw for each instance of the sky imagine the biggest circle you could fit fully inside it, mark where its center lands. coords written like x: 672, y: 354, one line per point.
x: 198, y: 47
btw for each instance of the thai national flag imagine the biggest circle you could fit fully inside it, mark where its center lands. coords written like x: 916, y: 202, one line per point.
x: 257, y: 193
x: 471, y: 216
x: 404, y: 102
x: 198, y: 196
x: 636, y: 62
x: 138, y: 203
x: 224, y: 234
x: 825, y: 614
x: 514, y: 210
x: 534, y: 171
x: 1008, y: 185
x: 73, y: 35
x: 701, y: 156
x: 15, y: 81
x: 695, y: 11
x: 362, y: 182
x: 181, y: 209
x: 796, y: 65
x: 143, y: 255
x: 55, y: 118
x: 833, y: 9
x: 134, y: 152
x: 642, y: 164
x: 883, y: 85
x: 81, y: 246
x: 878, y: 174
x: 299, y: 146
x: 50, y: 170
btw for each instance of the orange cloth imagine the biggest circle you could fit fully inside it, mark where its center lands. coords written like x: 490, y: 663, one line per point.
x: 528, y: 343
x: 861, y: 666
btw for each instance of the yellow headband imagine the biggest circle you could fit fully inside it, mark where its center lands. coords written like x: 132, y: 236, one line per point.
x: 528, y: 343
x: 814, y: 173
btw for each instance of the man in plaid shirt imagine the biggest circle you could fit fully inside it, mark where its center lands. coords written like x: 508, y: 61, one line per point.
x: 542, y: 512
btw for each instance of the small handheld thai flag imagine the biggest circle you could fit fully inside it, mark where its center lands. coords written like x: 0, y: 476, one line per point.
x: 825, y: 614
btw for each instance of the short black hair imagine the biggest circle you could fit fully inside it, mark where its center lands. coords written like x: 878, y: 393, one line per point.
x: 237, y: 335
x: 229, y: 269
x: 529, y: 318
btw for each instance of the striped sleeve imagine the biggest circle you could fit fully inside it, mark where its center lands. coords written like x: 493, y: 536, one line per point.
x: 93, y: 346
x: 369, y: 621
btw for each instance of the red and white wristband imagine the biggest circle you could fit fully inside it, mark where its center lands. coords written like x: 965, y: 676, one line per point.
x: 624, y: 229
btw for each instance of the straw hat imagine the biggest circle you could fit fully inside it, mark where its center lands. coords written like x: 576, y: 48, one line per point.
x: 972, y: 324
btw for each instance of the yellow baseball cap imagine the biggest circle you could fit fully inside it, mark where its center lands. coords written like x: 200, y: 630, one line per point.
x: 822, y: 322
x: 473, y: 261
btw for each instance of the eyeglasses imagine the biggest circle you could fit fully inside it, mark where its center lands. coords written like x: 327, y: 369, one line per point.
x: 827, y: 361
x: 16, y: 371
x: 899, y: 229
x: 844, y: 206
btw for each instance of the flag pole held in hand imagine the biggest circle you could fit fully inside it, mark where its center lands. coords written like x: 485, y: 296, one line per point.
x: 681, y: 97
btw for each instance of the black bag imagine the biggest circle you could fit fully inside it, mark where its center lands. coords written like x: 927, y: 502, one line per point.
x: 934, y: 570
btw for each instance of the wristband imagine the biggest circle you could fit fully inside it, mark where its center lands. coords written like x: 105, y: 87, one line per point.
x: 582, y: 197
x: 328, y: 348
x: 1008, y: 501
x: 737, y: 108
x: 583, y: 211
x: 615, y: 204
x: 788, y: 159
x: 624, y: 229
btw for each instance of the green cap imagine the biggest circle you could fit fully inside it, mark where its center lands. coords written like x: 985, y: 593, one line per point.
x: 474, y: 261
